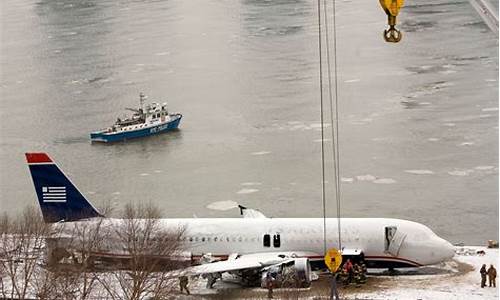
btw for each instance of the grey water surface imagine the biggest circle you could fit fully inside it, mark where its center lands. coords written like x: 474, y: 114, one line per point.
x: 418, y: 120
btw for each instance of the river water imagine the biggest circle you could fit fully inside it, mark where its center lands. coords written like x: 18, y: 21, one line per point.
x: 418, y: 120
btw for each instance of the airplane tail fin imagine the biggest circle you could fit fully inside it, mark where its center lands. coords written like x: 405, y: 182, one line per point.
x: 59, y: 199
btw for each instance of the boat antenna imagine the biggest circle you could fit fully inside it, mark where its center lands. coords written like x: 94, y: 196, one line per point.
x: 142, y: 98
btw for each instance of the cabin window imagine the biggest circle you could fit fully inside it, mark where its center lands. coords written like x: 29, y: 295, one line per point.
x: 215, y: 239
x: 276, y: 241
x: 190, y: 238
x: 227, y: 239
x: 267, y: 240
x: 203, y: 239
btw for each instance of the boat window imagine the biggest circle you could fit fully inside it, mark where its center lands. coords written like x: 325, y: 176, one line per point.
x: 276, y: 241
x: 215, y: 239
x: 203, y: 239
x: 227, y: 239
x: 190, y: 238
x: 267, y: 240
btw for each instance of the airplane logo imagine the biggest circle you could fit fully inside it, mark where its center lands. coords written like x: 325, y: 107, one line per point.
x: 54, y: 194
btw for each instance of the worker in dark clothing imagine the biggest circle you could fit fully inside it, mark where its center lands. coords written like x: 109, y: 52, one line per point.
x: 492, y: 275
x: 483, y: 275
x: 183, y: 283
x: 269, y: 285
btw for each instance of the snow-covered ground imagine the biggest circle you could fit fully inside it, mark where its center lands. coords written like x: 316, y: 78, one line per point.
x: 453, y: 280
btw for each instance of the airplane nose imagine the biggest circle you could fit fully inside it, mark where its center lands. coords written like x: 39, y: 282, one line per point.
x: 448, y: 250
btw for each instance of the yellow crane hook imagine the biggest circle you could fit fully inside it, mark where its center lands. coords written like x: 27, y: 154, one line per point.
x: 391, y: 8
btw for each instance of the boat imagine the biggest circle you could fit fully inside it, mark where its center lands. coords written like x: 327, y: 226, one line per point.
x: 146, y: 120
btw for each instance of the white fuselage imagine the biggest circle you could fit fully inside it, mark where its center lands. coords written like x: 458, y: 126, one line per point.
x: 410, y: 244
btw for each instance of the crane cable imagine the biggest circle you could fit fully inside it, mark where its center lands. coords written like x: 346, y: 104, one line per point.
x: 333, y: 107
x: 335, y: 129
x: 322, y: 127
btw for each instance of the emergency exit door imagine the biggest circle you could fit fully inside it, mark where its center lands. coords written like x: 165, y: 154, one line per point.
x: 394, y: 238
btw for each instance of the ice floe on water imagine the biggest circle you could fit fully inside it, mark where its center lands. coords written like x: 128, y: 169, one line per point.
x: 222, y: 205
x: 460, y: 172
x: 247, y: 191
x: 144, y: 174
x: 466, y: 144
x: 449, y: 124
x: 352, y: 80
x: 483, y: 116
x: 420, y: 172
x: 158, y: 171
x: 366, y: 177
x: 251, y: 183
x: 260, y: 153
x: 483, y: 168
x: 384, y: 181
x: 347, y: 179
x: 115, y: 193
x: 324, y: 140
x: 162, y: 53
x: 433, y: 139
x: 490, y: 109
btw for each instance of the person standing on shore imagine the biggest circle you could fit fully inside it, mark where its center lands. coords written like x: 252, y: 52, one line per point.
x: 483, y: 273
x: 492, y: 276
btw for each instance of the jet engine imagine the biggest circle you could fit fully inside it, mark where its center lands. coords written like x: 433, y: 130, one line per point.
x: 293, y: 273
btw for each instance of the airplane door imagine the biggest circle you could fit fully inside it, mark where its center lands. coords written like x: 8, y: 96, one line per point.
x: 394, y: 238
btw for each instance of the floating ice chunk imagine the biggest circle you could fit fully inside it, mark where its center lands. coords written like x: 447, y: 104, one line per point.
x: 260, y: 153
x: 223, y: 205
x: 482, y: 168
x: 467, y: 144
x: 318, y: 125
x: 324, y: 140
x: 352, y: 80
x: 91, y: 192
x: 247, y: 191
x: 144, y: 174
x: 347, y: 179
x: 450, y: 124
x: 482, y: 116
x: 419, y: 172
x: 366, y: 177
x: 162, y: 53
x: 115, y: 193
x: 158, y: 171
x: 460, y: 172
x: 433, y: 139
x: 490, y: 109
x: 384, y: 181
x: 251, y: 183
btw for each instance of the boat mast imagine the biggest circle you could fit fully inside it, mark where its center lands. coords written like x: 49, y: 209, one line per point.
x: 142, y: 98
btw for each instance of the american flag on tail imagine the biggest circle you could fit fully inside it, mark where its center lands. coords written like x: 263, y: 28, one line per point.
x: 54, y: 194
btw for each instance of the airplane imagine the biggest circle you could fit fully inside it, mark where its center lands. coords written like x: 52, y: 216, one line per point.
x: 253, y: 245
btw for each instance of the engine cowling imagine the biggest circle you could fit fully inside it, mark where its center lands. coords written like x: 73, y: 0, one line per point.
x: 295, y: 273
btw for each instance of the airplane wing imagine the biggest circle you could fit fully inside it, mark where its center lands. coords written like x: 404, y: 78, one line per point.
x: 245, y: 262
